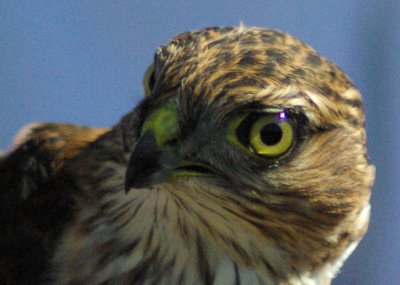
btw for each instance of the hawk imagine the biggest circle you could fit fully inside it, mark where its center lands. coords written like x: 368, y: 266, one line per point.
x: 245, y: 163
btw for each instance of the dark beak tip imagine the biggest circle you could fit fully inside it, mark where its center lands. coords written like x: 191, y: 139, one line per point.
x: 127, y: 189
x: 143, y: 163
x: 131, y: 184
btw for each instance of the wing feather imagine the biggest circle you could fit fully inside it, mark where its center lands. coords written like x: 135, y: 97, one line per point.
x: 33, y: 209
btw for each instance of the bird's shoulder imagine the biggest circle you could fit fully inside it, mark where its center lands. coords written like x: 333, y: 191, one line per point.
x: 40, y: 150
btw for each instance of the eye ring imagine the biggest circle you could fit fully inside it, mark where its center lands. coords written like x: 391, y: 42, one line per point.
x: 149, y: 80
x: 269, y: 135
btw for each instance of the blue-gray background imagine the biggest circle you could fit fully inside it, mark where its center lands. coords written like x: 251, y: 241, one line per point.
x: 82, y: 62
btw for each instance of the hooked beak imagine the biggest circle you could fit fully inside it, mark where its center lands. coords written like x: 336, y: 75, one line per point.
x: 151, y: 164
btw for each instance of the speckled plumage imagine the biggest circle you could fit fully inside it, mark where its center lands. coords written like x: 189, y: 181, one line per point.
x: 245, y: 219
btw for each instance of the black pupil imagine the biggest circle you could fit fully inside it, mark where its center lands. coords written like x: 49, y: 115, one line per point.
x: 271, y: 134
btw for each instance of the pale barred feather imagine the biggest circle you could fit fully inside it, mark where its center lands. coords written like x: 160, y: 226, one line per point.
x: 153, y: 206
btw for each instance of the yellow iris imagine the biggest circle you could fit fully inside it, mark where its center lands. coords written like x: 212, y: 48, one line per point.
x: 270, y: 136
x: 266, y: 134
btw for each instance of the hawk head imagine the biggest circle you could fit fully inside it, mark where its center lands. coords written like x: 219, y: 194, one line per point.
x: 246, y: 159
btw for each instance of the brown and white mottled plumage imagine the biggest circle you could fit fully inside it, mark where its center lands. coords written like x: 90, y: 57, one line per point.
x: 201, y: 205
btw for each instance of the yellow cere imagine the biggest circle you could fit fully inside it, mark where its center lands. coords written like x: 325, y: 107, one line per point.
x: 163, y: 123
x: 277, y: 148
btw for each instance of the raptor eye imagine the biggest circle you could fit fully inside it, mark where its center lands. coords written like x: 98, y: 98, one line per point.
x: 149, y: 80
x: 267, y: 134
